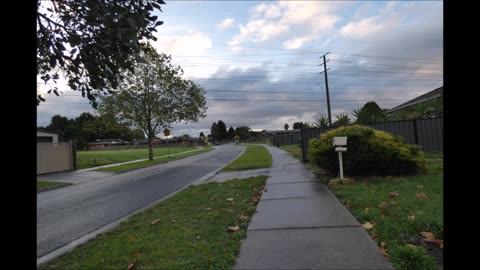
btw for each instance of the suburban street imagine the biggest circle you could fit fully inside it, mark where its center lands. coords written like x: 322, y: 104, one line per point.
x: 66, y: 214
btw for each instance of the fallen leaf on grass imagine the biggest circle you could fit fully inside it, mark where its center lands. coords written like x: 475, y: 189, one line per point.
x: 420, y: 186
x: 428, y: 235
x: 348, y: 203
x: 412, y: 217
x: 155, y: 221
x: 394, y: 203
x: 230, y: 199
x: 134, y: 261
x: 367, y: 226
x: 242, y: 217
x: 393, y: 194
x: 233, y: 229
x: 173, y: 221
x: 246, y: 200
x: 373, y: 235
x: 366, y: 211
x: 412, y: 246
x: 254, y: 199
x: 421, y: 196
x: 384, y: 246
x: 212, y: 199
x: 208, y: 209
x: 131, y: 238
x: 383, y: 205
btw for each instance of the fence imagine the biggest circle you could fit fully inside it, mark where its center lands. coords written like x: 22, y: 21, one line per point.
x: 55, y: 157
x: 427, y: 133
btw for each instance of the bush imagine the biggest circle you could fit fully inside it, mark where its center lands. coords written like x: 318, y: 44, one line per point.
x: 370, y: 152
x: 412, y: 258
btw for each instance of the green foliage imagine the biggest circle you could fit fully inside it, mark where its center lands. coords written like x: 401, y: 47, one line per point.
x: 369, y: 152
x: 231, y: 133
x: 342, y: 120
x: 91, y: 42
x: 369, y: 113
x: 286, y: 126
x: 412, y: 258
x: 297, y: 125
x: 243, y: 132
x: 166, y: 132
x: 214, y: 132
x: 222, y: 130
x: 321, y: 121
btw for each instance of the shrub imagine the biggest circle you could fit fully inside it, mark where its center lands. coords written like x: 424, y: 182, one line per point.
x: 412, y: 258
x: 370, y: 152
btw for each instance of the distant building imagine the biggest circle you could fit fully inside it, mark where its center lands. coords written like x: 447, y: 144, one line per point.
x: 44, y: 135
x: 411, y: 104
x: 107, y: 143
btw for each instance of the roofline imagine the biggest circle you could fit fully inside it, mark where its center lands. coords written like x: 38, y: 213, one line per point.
x: 420, y: 100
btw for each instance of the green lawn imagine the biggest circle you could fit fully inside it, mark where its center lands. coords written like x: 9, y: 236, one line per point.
x: 88, y: 159
x: 186, y: 231
x: 255, y: 157
x: 146, y: 163
x: 399, y: 220
x: 41, y: 185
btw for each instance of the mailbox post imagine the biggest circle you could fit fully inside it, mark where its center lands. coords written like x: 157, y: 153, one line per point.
x: 340, y: 143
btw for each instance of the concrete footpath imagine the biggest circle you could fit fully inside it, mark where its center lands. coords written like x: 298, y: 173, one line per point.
x: 300, y: 224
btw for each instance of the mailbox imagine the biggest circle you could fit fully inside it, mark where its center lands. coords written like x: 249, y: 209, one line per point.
x: 339, y: 141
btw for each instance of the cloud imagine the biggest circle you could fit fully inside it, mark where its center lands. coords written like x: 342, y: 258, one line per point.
x: 365, y: 27
x: 228, y: 22
x: 269, y: 21
x: 191, y: 43
x: 295, y: 43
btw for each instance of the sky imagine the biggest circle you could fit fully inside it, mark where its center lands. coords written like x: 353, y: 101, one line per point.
x: 260, y: 62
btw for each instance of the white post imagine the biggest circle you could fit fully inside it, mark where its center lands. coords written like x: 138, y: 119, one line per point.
x: 341, y: 164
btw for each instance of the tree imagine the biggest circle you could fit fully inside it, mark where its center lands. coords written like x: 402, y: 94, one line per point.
x: 342, y: 120
x: 369, y: 113
x: 155, y: 96
x: 166, y: 132
x: 243, y: 132
x: 297, y: 125
x: 201, y: 135
x: 59, y: 124
x: 214, y: 132
x: 222, y: 130
x: 91, y: 42
x: 286, y: 126
x: 231, y: 133
x: 321, y: 121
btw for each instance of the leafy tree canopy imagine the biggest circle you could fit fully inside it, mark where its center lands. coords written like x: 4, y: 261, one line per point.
x: 91, y: 42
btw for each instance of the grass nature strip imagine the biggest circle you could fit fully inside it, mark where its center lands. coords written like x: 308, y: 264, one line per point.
x: 146, y: 163
x: 186, y: 231
x: 400, y: 208
x: 89, y: 159
x: 255, y: 157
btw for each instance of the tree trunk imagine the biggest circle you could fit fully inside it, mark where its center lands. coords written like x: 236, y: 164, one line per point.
x: 150, y: 148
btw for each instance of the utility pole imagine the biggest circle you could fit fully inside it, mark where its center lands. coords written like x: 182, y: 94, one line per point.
x: 326, y: 87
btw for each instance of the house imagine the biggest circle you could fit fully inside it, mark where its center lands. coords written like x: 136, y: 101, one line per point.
x: 105, y: 144
x: 411, y: 104
x: 44, y: 135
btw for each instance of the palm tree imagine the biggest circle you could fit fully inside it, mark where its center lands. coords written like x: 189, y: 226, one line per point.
x: 342, y: 120
x: 321, y: 121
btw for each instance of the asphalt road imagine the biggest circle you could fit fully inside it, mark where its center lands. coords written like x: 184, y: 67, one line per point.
x: 66, y: 214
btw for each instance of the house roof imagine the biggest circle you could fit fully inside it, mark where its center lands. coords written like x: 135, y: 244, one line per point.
x: 44, y: 130
x: 430, y: 95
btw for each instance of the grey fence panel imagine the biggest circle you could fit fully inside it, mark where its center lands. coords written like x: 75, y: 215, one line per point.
x: 430, y: 134
x: 403, y: 129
